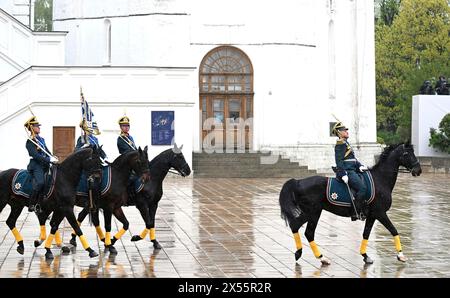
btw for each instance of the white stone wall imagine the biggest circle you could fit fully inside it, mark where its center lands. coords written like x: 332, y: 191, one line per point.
x: 19, y: 9
x: 288, y: 44
x: 427, y: 112
x: 20, y: 47
x: 54, y: 96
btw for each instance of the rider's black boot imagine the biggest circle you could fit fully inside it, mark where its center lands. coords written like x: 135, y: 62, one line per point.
x: 33, y: 200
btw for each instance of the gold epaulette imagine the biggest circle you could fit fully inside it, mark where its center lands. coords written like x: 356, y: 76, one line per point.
x: 340, y: 142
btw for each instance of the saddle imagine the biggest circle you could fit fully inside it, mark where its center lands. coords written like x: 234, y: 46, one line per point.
x: 338, y: 193
x: 22, y: 183
x: 105, y: 184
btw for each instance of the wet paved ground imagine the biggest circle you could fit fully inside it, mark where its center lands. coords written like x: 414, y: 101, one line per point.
x: 232, y: 228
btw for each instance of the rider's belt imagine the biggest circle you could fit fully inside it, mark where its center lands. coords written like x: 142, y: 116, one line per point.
x: 352, y: 159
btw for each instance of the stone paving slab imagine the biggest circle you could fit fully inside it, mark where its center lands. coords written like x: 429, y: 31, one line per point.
x: 232, y: 228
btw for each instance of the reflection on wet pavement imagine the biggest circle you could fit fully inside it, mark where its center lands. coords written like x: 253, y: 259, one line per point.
x: 232, y: 228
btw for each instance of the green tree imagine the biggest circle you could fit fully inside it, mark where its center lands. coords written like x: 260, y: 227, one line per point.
x: 416, y: 47
x: 388, y: 10
x: 440, y: 139
x: 43, y: 12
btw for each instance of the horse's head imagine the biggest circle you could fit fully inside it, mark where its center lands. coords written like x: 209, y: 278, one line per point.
x: 140, y: 164
x: 409, y: 160
x: 178, y: 162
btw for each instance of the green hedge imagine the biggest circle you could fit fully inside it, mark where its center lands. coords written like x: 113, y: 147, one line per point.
x: 440, y: 138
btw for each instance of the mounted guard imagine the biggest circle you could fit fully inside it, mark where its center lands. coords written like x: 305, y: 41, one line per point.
x: 88, y: 139
x: 125, y: 141
x: 347, y: 169
x: 40, y: 160
x: 125, y: 144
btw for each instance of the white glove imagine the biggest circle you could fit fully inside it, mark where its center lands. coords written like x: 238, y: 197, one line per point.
x: 54, y: 159
x: 345, y: 179
x: 363, y: 168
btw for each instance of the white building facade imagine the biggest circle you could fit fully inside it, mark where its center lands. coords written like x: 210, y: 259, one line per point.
x: 286, y: 67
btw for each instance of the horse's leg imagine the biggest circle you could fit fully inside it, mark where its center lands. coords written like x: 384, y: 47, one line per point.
x: 11, y: 222
x: 95, y: 220
x: 386, y: 222
x: 295, y: 226
x: 42, y: 217
x: 3, y: 205
x: 145, y: 213
x: 81, y: 216
x: 68, y: 212
x: 309, y: 233
x: 118, y: 213
x: 57, y: 218
x: 152, y: 211
x: 107, y: 214
x: 367, y: 229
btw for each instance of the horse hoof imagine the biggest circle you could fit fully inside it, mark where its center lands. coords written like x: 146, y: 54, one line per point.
x: 156, y: 245
x: 37, y: 243
x: 325, y: 261
x: 93, y: 254
x: 112, y: 250
x: 368, y: 260
x: 298, y: 254
x: 113, y: 240
x: 136, y: 238
x: 401, y: 257
x: 49, y: 255
x: 20, y: 249
x: 65, y: 250
x: 102, y: 240
x: 73, y: 242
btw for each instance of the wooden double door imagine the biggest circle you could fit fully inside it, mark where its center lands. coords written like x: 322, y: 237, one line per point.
x: 227, y: 121
x: 63, y: 141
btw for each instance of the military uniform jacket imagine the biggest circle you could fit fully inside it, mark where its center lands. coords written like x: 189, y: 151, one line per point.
x: 345, y: 158
x: 93, y: 143
x: 125, y: 143
x: 37, y: 157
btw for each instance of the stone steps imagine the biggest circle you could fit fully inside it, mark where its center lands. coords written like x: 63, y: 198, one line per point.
x: 246, y: 165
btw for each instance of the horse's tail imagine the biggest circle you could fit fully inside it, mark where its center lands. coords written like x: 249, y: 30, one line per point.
x: 6, y: 177
x: 290, y: 211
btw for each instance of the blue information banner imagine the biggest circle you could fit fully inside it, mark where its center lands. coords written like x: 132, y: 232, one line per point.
x: 163, y: 130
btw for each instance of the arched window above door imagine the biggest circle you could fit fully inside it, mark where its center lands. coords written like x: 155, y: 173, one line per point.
x: 226, y: 69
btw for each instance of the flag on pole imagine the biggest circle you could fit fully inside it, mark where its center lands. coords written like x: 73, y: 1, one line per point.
x: 88, y: 125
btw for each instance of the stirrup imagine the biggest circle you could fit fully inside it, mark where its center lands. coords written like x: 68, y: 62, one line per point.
x: 31, y: 208
x: 37, y: 208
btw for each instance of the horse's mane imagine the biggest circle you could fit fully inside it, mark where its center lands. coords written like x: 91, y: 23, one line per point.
x: 386, y: 152
x: 75, y: 154
x: 158, y: 157
x: 120, y: 159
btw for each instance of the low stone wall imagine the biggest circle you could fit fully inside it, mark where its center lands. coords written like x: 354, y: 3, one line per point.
x: 435, y: 164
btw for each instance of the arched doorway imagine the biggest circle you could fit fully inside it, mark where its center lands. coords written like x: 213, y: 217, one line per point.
x: 226, y: 98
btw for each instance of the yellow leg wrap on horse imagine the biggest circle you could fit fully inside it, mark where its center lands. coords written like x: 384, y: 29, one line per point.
x: 43, y: 233
x: 58, y: 239
x: 298, y: 241
x: 315, y: 249
x: 84, y: 242
x: 363, y: 248
x: 398, y: 245
x: 99, y: 231
x: 48, y: 242
x: 152, y: 234
x: 108, y: 238
x: 17, y: 234
x: 144, y: 233
x: 120, y: 233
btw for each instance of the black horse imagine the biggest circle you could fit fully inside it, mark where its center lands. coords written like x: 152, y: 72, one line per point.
x: 302, y: 201
x: 112, y: 200
x: 60, y: 202
x: 147, y: 199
